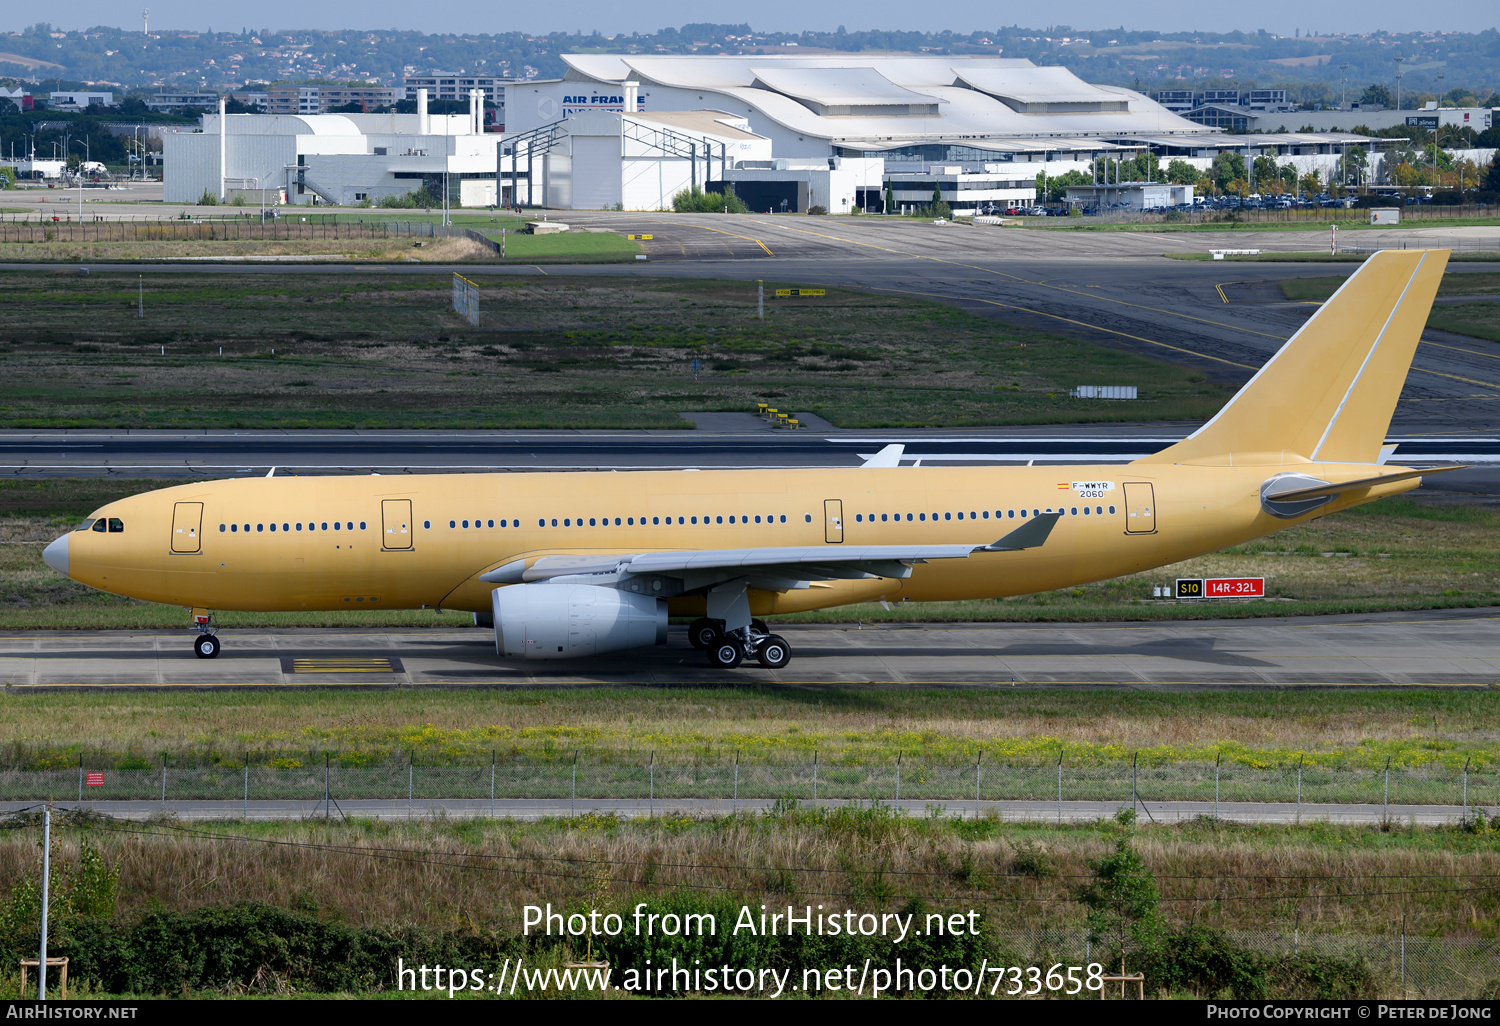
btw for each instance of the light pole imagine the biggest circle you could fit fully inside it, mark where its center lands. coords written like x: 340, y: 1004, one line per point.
x: 1437, y: 123
x: 1343, y: 84
x: 1398, y: 61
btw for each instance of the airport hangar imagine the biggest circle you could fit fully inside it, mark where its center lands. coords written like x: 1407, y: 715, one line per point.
x: 784, y: 133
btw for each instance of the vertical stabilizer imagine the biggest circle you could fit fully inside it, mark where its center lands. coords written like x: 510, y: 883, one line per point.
x: 1329, y: 393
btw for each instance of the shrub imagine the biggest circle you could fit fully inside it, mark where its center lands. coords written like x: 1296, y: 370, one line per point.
x: 696, y: 201
x: 1031, y: 859
x: 208, y: 199
x: 412, y: 200
x: 817, y: 209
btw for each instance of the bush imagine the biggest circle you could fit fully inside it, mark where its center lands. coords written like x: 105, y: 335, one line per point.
x: 816, y: 209
x: 208, y: 199
x: 1207, y: 963
x: 696, y: 201
x: 417, y: 198
x: 1031, y: 859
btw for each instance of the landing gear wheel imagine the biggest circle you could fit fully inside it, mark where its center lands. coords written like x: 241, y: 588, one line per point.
x: 206, y: 646
x: 759, y: 627
x: 774, y: 653
x: 704, y: 633
x: 726, y: 653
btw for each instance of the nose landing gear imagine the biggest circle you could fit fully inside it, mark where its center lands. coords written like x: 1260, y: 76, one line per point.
x: 206, y: 644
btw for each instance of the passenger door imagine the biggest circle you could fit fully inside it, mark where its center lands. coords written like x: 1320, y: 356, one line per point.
x: 396, y: 524
x: 187, y: 524
x: 833, y: 521
x: 1140, y: 507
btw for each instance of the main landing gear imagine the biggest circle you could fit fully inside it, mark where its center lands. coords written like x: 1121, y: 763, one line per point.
x: 727, y: 649
x: 206, y: 644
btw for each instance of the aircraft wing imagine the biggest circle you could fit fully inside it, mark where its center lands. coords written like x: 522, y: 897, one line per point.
x: 790, y: 564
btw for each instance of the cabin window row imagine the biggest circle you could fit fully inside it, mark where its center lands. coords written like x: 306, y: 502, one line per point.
x: 1000, y: 514
x: 323, y: 525
x: 707, y: 520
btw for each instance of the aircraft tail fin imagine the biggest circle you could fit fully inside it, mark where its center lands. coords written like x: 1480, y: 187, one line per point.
x: 1329, y: 393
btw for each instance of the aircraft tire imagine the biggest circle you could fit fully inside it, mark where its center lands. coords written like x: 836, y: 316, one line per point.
x: 774, y: 652
x: 759, y: 626
x: 726, y: 653
x: 703, y: 633
x: 206, y: 646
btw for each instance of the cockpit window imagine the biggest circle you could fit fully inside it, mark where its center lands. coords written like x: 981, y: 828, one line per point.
x: 100, y: 525
x: 85, y: 525
x: 116, y: 525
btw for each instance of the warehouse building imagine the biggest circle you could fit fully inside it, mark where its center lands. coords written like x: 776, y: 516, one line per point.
x: 345, y: 159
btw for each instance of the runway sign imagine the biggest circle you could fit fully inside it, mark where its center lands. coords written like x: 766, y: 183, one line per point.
x: 352, y: 664
x: 1221, y: 587
x: 793, y: 293
x: 641, y: 238
x: 95, y: 780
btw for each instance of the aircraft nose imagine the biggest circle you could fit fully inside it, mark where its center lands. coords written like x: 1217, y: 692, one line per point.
x: 56, y: 555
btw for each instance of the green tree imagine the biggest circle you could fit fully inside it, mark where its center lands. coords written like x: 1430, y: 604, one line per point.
x: 696, y: 201
x: 1180, y: 172
x: 1122, y: 900
x: 1057, y: 185
x: 890, y: 199
x: 1227, y: 167
x: 1489, y: 177
x: 1266, y: 172
x: 1374, y: 94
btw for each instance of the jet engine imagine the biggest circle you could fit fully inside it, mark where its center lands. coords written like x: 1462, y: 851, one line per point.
x: 564, y: 621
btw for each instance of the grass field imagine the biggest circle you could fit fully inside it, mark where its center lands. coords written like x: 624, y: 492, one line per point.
x: 1481, y: 320
x: 477, y: 875
x: 311, y: 351
x: 1402, y: 553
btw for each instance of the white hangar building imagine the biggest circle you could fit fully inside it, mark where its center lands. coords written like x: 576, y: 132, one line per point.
x: 342, y: 159
x: 911, y: 110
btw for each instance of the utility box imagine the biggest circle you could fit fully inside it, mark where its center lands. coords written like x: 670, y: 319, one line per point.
x: 1385, y: 215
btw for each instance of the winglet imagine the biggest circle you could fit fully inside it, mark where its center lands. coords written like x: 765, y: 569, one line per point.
x: 890, y: 456
x: 1027, y: 536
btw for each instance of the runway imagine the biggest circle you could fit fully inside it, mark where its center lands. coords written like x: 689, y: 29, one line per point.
x: 723, y: 441
x: 551, y: 808
x: 1449, y: 648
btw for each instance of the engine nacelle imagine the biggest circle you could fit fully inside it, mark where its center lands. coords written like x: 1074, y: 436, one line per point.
x: 565, y: 621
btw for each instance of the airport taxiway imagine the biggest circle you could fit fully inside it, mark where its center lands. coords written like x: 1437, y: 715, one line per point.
x: 1428, y: 648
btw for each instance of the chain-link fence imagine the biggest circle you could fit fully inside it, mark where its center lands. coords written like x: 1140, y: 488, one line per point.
x: 909, y: 780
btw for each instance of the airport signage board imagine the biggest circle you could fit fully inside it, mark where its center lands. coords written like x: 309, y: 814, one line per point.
x: 1220, y: 587
x: 95, y: 780
x: 791, y: 293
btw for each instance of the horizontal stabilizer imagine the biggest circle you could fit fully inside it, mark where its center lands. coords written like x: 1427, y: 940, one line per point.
x: 1027, y: 536
x: 1319, y: 491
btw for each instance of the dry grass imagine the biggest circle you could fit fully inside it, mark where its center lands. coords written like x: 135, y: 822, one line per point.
x: 336, y: 351
x: 376, y: 250
x: 478, y: 874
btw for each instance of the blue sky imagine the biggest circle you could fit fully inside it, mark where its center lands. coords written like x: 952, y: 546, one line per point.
x: 1279, y: 16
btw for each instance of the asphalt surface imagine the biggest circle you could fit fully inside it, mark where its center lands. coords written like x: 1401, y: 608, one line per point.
x: 1430, y: 648
x: 725, y: 441
x: 533, y: 809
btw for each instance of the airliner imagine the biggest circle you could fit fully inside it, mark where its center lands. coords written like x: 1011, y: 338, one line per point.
x: 564, y: 565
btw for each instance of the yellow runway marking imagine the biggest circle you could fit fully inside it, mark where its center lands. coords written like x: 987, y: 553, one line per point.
x: 341, y: 665
x: 706, y: 228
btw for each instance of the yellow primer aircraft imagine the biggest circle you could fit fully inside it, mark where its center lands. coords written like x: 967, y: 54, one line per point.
x: 577, y: 564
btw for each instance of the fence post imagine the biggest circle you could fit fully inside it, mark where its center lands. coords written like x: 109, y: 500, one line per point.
x: 80, y: 781
x: 492, y: 783
x: 1385, y: 809
x: 573, y: 793
x: 651, y: 794
x: 1059, y: 784
x: 1403, y: 956
x: 815, y: 776
x: 1132, y: 780
x: 164, y: 782
x: 1466, y: 787
x: 411, y: 774
x: 736, y: 781
x: 1218, y: 759
x: 977, y: 759
x: 898, y: 778
x: 1300, y: 759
